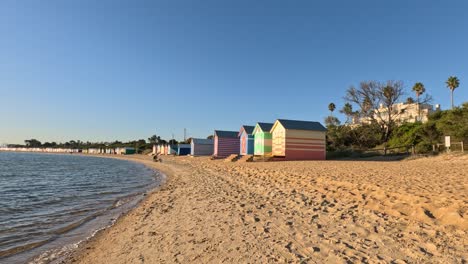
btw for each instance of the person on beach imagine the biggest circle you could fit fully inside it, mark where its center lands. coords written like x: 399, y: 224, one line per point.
x: 156, y: 158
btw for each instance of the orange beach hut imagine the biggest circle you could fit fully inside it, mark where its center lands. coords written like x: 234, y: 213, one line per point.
x: 298, y: 140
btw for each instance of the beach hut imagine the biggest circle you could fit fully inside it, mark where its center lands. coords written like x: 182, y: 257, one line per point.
x: 201, y: 147
x: 298, y: 140
x: 225, y: 143
x: 126, y: 151
x: 262, y: 139
x: 167, y: 149
x: 246, y: 140
x: 183, y: 149
x: 172, y: 149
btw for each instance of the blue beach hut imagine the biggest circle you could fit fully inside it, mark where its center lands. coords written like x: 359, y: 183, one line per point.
x: 247, y: 140
x: 183, y: 149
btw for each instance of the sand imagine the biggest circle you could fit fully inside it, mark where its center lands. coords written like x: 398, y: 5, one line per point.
x: 410, y: 211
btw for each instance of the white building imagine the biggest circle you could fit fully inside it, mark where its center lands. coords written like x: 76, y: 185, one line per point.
x: 402, y: 112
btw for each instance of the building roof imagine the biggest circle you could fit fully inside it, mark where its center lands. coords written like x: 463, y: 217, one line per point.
x: 226, y: 134
x: 183, y: 146
x: 202, y: 141
x: 248, y: 129
x: 265, y: 126
x: 301, y: 125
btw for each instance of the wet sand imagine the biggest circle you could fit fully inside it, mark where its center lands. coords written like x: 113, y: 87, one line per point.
x: 410, y: 211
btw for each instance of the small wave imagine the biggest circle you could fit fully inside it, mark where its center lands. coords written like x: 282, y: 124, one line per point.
x: 77, y: 223
x: 22, y: 248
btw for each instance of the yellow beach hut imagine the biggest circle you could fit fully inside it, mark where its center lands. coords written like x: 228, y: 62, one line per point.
x: 298, y: 140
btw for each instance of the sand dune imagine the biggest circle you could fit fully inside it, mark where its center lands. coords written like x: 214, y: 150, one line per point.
x: 412, y: 211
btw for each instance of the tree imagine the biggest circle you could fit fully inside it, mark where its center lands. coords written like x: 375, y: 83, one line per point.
x: 331, y: 121
x: 376, y: 101
x: 154, y: 139
x: 33, y: 143
x: 419, y: 89
x: 210, y: 137
x: 347, y: 110
x: 410, y: 100
x: 140, y: 145
x: 452, y: 83
x: 186, y: 141
x: 332, y: 108
x: 173, y: 142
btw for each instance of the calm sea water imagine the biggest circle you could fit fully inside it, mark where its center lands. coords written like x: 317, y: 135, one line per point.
x: 48, y: 200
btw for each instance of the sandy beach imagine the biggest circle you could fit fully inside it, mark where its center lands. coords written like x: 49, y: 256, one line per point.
x: 410, y: 211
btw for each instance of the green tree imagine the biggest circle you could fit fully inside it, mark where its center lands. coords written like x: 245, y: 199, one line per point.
x: 406, y: 135
x: 33, y: 143
x: 452, y: 83
x: 419, y: 89
x: 332, y: 108
x: 154, y: 139
x: 410, y: 100
x: 347, y: 110
x: 331, y: 121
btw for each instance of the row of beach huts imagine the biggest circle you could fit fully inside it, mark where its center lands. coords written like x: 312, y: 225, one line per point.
x: 117, y: 151
x: 281, y: 140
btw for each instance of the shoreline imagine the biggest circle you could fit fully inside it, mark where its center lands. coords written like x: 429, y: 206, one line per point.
x: 57, y: 249
x: 61, y: 254
x: 83, y: 244
x: 311, y: 212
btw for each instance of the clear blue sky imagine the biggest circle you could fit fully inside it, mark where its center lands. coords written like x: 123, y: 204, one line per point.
x: 107, y: 70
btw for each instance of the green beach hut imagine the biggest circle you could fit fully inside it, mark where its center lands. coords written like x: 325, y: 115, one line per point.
x: 262, y: 139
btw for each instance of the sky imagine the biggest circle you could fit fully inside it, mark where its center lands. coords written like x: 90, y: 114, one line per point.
x: 122, y: 70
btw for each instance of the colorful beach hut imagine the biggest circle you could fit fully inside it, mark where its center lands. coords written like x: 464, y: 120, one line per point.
x: 246, y: 140
x: 172, y: 150
x: 159, y: 149
x: 125, y: 151
x: 262, y: 139
x: 298, y: 140
x: 183, y: 149
x: 167, y: 149
x: 225, y: 143
x: 201, y: 147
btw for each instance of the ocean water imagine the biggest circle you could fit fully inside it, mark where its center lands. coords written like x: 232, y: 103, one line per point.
x: 50, y: 202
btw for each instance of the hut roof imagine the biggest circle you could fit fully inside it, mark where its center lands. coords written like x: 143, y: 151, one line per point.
x: 202, y: 141
x: 226, y: 134
x: 301, y: 125
x: 265, y: 126
x: 248, y: 129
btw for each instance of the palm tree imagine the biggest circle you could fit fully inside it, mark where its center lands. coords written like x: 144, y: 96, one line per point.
x: 419, y: 89
x: 332, y: 108
x: 410, y: 100
x: 452, y: 83
x: 348, y: 111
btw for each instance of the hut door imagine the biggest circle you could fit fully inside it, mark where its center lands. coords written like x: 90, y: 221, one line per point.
x: 244, y: 145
